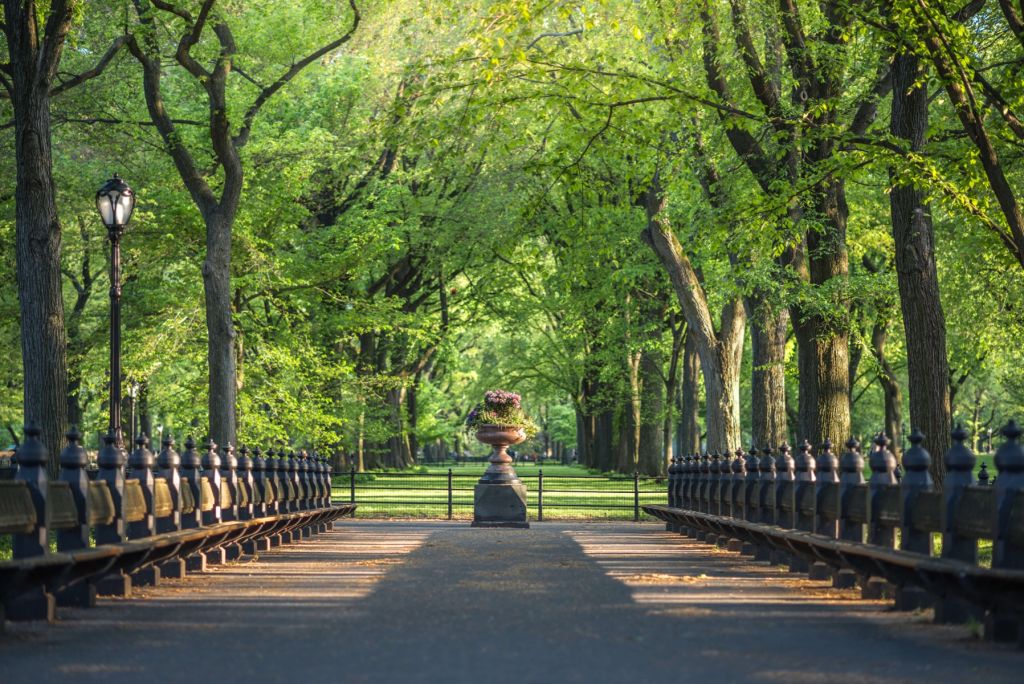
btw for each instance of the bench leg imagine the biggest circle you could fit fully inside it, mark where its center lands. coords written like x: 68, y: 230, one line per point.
x: 216, y: 556
x: 233, y: 552
x: 147, y: 577
x: 307, y: 532
x: 81, y: 595
x: 118, y: 584
x: 952, y: 610
x: 173, y: 569
x: 819, y: 571
x: 844, y: 579
x: 913, y: 598
x: 196, y: 563
x: 36, y: 604
x: 1001, y: 627
x: 877, y: 588
x: 275, y: 540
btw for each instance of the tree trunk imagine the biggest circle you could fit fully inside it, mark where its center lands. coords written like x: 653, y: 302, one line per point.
x: 412, y: 416
x: 890, y: 388
x: 651, y: 456
x: 823, y: 358
x: 37, y: 228
x: 361, y: 443
x: 720, y: 352
x: 768, y: 379
x: 604, y: 440
x: 220, y: 327
x: 923, y: 320
x: 689, y: 425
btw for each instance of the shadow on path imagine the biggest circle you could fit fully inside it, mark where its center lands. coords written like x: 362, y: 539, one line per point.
x: 437, y: 602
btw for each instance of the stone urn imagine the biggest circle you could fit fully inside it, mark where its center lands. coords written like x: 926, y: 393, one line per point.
x: 499, y: 498
x: 500, y: 438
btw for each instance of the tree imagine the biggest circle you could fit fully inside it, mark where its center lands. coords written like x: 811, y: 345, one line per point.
x: 226, y: 141
x: 30, y: 78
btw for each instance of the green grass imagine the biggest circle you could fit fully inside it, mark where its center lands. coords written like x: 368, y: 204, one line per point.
x: 422, y: 492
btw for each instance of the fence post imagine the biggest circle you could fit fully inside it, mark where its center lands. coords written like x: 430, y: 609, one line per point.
x: 636, y: 496
x: 449, y: 493
x: 352, y: 485
x: 540, y: 495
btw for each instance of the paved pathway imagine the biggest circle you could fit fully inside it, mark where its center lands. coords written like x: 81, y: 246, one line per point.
x: 440, y: 602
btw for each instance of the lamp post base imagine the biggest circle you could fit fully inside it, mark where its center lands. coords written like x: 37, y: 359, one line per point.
x: 500, y: 505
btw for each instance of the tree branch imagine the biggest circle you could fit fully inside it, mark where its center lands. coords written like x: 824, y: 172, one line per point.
x: 105, y: 60
x: 868, y: 108
x: 553, y: 34
x: 269, y: 91
x: 58, y: 23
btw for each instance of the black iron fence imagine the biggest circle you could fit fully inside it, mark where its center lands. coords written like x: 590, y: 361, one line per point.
x: 450, y: 495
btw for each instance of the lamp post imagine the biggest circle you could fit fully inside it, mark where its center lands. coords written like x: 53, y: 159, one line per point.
x: 115, y: 202
x: 133, y: 394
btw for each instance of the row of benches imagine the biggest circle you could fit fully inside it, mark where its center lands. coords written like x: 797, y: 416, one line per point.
x: 817, y: 513
x: 194, y: 510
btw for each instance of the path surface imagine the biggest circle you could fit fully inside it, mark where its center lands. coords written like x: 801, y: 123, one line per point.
x: 440, y: 602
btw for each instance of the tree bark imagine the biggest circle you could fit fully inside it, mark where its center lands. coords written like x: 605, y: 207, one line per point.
x: 34, y: 53
x: 689, y: 433
x: 893, y: 397
x: 651, y: 451
x: 223, y: 388
x: 768, y: 378
x: 923, y: 320
x: 823, y: 357
x: 721, y: 352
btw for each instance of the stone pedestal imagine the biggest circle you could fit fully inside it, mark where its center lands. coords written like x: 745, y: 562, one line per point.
x: 499, y: 505
x: 499, y: 499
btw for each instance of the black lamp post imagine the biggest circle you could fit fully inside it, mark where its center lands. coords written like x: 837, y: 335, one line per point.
x: 115, y: 202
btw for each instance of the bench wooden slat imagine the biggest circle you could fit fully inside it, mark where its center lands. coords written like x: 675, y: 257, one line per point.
x: 975, y: 513
x: 1016, y: 521
x: 188, y: 502
x: 926, y: 511
x: 99, y: 504
x: 857, y: 504
x: 888, y: 505
x: 784, y: 493
x: 134, y: 501
x: 61, y: 510
x: 807, y: 500
x: 828, y: 501
x: 206, y: 501
x: 163, y: 505
x: 17, y: 512
x: 225, y: 496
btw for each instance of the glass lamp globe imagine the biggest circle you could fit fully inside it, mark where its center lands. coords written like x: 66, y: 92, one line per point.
x: 115, y: 202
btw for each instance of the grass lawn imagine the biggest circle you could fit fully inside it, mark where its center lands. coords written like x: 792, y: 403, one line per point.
x: 569, y: 492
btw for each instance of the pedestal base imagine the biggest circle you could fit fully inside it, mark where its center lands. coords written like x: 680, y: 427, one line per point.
x: 500, y: 505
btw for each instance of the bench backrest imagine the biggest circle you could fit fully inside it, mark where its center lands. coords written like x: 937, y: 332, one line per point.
x: 61, y: 511
x: 925, y: 511
x: 100, y: 505
x: 17, y: 512
x: 134, y: 501
x: 975, y: 513
x: 225, y: 496
x: 206, y: 501
x: 188, y: 502
x: 163, y: 505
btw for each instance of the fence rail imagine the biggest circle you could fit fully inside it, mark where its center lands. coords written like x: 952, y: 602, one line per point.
x: 450, y: 495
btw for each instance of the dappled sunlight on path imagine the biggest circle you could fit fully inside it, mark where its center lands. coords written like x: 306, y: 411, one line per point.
x: 663, y: 568
x: 429, y: 601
